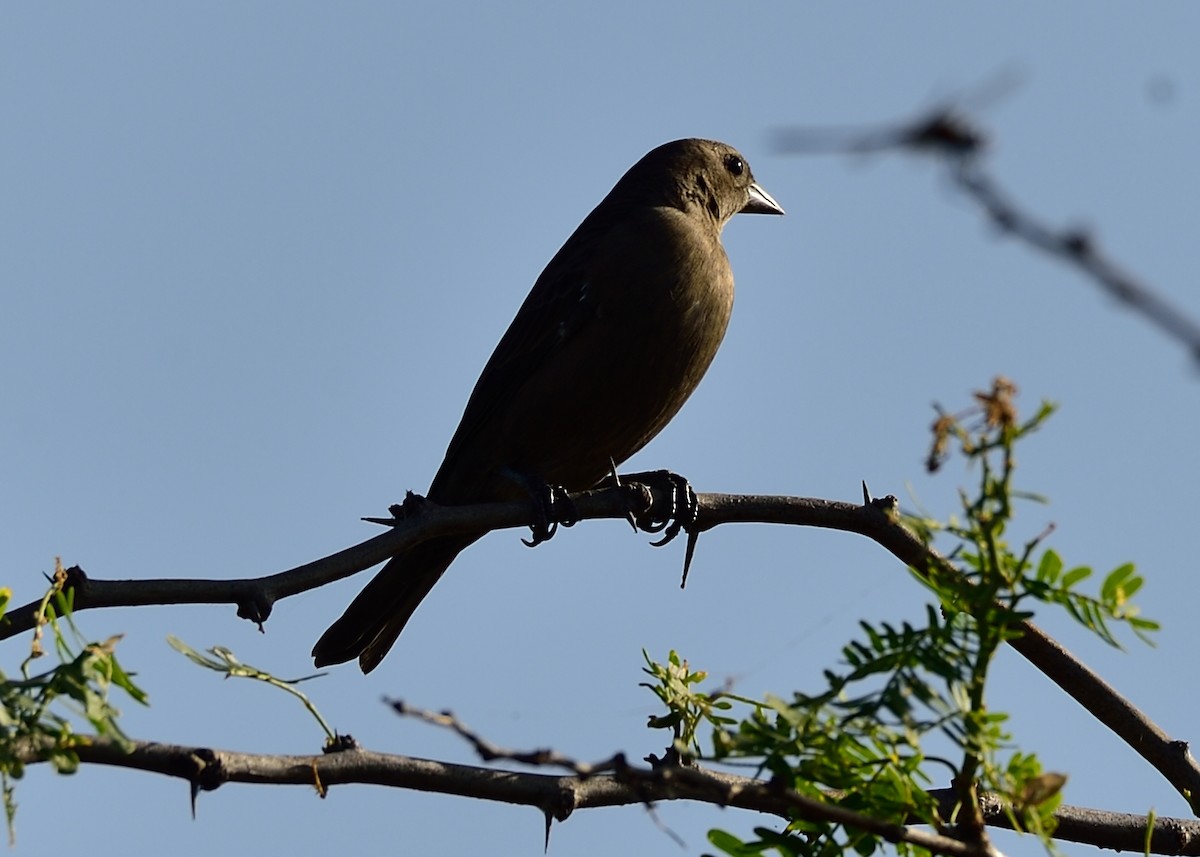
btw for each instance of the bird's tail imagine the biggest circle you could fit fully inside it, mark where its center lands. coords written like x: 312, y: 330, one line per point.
x: 379, y: 613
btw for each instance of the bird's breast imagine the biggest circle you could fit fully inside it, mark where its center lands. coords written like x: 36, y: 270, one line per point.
x: 661, y: 302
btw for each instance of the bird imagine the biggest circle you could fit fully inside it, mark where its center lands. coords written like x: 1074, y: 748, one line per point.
x: 614, y: 336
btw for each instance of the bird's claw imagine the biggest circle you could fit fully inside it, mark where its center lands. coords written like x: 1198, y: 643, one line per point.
x: 679, y: 515
x: 554, y: 507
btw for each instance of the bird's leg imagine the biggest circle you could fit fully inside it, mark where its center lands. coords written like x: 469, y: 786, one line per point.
x: 682, y: 509
x: 614, y: 480
x: 554, y: 506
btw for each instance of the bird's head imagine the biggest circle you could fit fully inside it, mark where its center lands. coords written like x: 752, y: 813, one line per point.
x: 699, y: 174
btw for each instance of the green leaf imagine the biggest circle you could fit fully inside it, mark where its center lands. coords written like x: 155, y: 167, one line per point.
x: 1112, y: 588
x: 1050, y: 567
x: 1075, y: 575
x: 730, y: 844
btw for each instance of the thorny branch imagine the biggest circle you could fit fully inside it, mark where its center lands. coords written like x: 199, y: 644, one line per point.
x: 206, y: 769
x: 874, y: 518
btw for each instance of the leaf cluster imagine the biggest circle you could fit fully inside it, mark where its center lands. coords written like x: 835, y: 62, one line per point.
x: 38, y: 711
x: 868, y: 739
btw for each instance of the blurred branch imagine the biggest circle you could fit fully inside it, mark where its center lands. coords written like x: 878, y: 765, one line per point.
x: 946, y: 133
x: 874, y: 518
x: 206, y: 769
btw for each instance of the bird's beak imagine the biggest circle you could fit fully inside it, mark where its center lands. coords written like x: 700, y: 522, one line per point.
x: 761, y: 202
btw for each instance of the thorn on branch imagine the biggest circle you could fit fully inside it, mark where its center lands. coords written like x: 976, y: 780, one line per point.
x: 887, y: 504
x: 412, y: 506
x: 206, y: 774
x: 256, y: 608
x: 688, y: 555
x: 340, y: 744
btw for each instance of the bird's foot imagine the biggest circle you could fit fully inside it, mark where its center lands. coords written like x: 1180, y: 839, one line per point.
x: 554, y: 507
x: 677, y: 515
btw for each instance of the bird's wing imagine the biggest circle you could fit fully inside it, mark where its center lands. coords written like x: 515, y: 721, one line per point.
x: 558, y: 307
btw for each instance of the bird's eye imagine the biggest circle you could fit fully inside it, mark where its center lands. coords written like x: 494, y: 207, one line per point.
x: 735, y: 165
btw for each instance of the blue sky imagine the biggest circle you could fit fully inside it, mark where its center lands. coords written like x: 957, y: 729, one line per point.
x: 255, y: 254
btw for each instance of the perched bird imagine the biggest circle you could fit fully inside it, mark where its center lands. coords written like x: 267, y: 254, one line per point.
x: 614, y: 336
